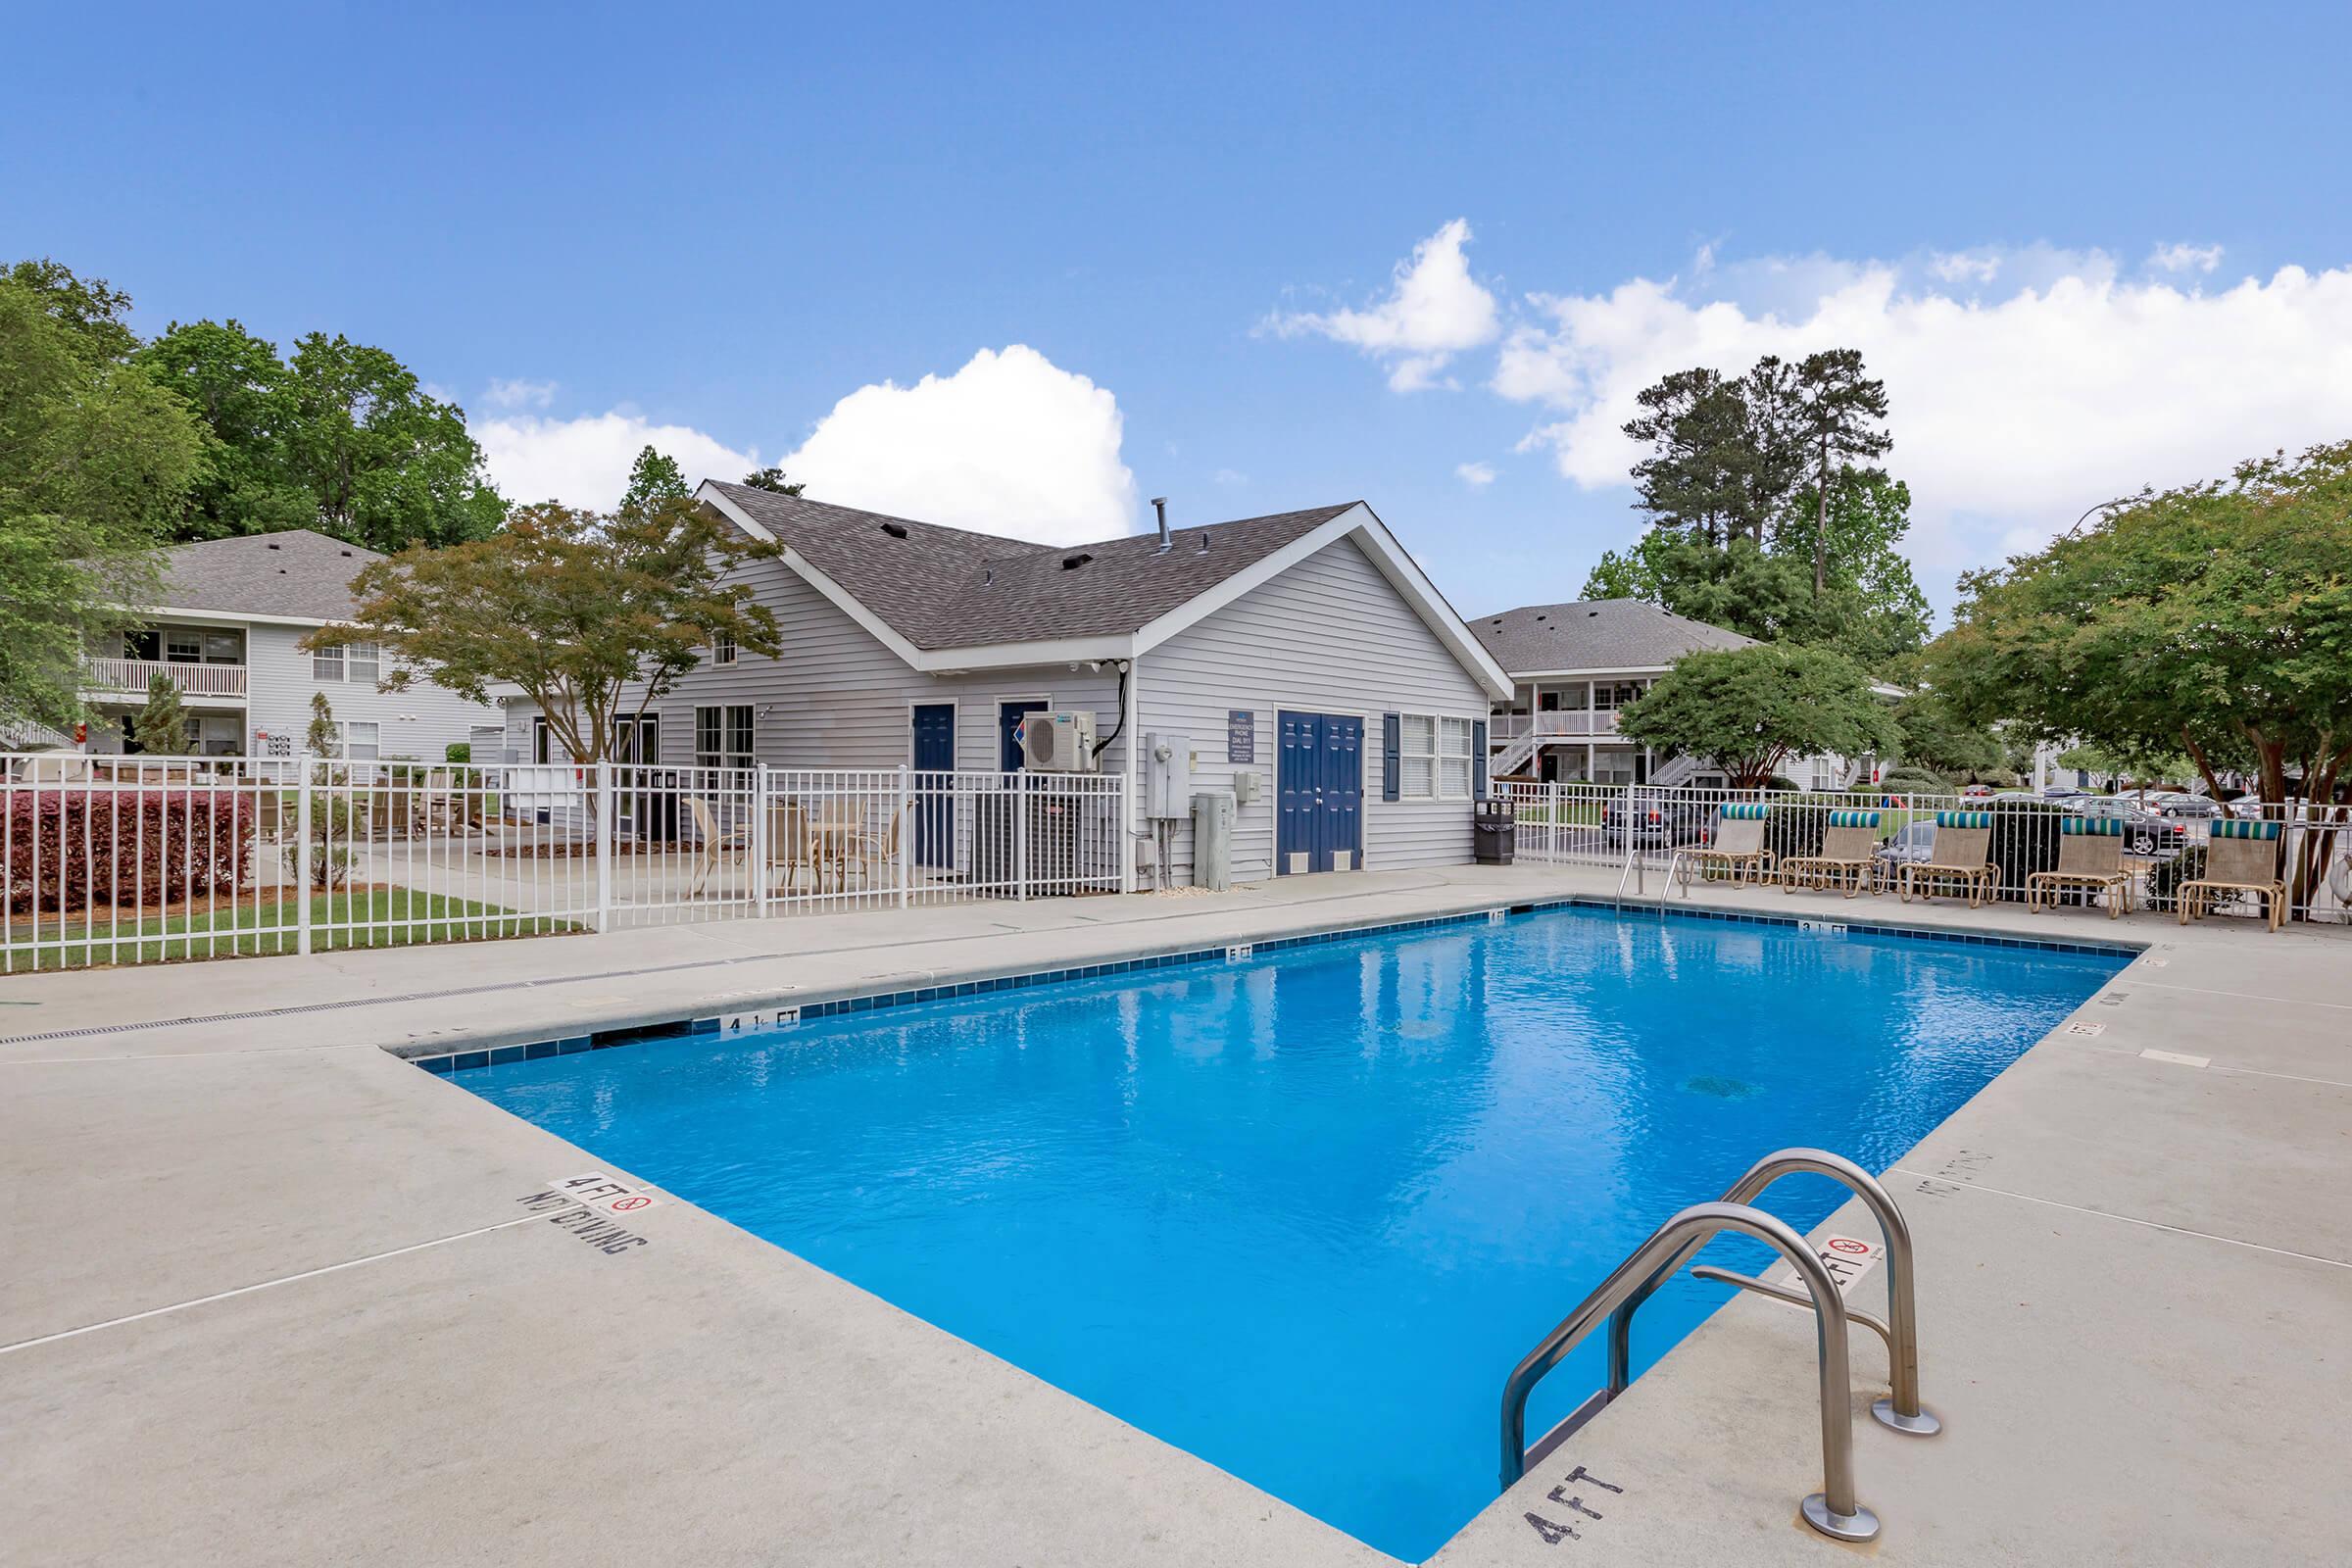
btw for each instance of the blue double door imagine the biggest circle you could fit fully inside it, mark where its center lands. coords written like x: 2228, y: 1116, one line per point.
x: 1319, y: 794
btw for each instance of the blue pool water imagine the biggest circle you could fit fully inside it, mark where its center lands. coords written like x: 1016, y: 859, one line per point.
x: 1299, y: 1215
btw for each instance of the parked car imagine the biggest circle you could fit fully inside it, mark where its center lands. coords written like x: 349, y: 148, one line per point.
x: 2146, y: 831
x: 1909, y: 845
x: 1978, y: 792
x: 1659, y: 824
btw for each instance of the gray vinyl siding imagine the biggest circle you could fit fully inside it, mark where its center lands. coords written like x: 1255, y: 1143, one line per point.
x: 418, y: 724
x: 836, y: 697
x: 1331, y: 635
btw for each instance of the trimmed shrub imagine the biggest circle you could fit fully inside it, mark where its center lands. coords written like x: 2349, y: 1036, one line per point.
x: 1915, y: 781
x: 124, y: 846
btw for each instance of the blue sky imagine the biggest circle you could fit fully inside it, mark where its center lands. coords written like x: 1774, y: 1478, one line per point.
x: 2089, y: 249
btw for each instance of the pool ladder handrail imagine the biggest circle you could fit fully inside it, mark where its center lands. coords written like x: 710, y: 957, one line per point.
x: 1835, y: 1510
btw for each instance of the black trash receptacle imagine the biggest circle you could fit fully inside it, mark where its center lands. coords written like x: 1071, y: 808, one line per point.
x: 1494, y: 830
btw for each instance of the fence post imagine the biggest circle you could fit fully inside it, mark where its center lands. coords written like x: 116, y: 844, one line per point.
x: 302, y: 861
x: 604, y: 846
x: 1020, y: 837
x: 760, y: 831
x: 905, y: 835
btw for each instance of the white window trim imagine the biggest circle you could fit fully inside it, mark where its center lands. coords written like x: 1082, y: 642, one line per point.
x: 722, y: 649
x: 335, y: 655
x: 374, y: 660
x: 724, y: 757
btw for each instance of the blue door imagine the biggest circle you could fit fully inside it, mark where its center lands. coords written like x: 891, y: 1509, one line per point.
x: 1009, y: 739
x: 1319, y: 793
x: 934, y: 805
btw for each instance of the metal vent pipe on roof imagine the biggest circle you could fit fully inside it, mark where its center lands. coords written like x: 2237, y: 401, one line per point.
x: 1159, y: 504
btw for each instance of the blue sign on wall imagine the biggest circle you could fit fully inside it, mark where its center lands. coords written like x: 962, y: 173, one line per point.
x: 1240, y: 736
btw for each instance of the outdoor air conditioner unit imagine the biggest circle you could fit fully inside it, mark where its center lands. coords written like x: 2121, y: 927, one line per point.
x: 1058, y: 742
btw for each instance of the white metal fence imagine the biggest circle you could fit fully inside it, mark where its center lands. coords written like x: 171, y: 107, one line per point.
x: 141, y: 860
x: 2163, y: 841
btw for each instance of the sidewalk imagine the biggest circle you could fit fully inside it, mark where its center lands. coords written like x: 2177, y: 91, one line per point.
x: 277, y: 1299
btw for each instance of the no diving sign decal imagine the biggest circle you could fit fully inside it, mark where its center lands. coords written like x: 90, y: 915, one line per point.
x: 1847, y: 1259
x: 592, y: 1208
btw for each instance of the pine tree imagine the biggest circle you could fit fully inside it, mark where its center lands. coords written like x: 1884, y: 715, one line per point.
x: 321, y: 739
x: 160, y: 726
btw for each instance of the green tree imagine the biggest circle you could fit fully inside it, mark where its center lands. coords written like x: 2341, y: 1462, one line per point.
x: 1936, y: 737
x: 1840, y: 424
x: 1722, y: 453
x: 321, y: 738
x: 587, y: 613
x: 95, y: 461
x: 653, y: 479
x: 771, y: 479
x: 1872, y: 608
x: 245, y: 394
x: 1749, y: 710
x: 382, y: 463
x: 161, y: 724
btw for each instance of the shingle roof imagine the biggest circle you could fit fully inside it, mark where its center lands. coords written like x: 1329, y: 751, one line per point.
x: 1595, y: 634
x: 943, y: 588
x: 297, y: 573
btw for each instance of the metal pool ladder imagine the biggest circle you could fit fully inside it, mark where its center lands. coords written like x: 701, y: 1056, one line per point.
x: 1834, y: 1510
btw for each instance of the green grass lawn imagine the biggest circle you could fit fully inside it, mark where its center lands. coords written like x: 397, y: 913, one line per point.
x: 388, y: 917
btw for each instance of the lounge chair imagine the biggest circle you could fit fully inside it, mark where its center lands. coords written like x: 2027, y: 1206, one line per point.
x: 2091, y: 856
x: 1738, y: 848
x: 792, y: 845
x: 2239, y: 858
x: 1961, y: 852
x: 1849, y: 856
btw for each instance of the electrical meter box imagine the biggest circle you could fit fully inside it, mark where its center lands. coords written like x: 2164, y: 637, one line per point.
x: 1167, y: 777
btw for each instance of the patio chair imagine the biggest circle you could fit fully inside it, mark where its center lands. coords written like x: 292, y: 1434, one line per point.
x: 877, y: 851
x: 2090, y: 856
x: 1849, y: 856
x: 791, y: 845
x: 2240, y: 857
x: 1962, y: 853
x: 1737, y: 849
x: 712, y: 845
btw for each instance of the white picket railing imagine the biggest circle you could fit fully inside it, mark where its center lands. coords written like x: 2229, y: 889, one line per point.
x: 129, y: 859
x: 132, y: 676
x: 1614, y: 825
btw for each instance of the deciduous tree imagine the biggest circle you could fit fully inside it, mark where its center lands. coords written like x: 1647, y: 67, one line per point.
x: 1749, y: 710
x: 594, y: 616
x: 95, y: 461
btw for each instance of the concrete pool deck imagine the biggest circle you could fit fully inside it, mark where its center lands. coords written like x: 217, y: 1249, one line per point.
x: 275, y: 1295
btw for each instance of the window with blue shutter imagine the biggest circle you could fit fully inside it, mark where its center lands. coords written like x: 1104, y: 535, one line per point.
x: 1478, y: 759
x: 1391, y: 755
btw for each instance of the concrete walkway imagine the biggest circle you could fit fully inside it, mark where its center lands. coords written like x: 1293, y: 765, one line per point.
x: 276, y: 1297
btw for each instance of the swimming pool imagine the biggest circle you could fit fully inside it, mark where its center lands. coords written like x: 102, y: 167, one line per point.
x: 1300, y: 1214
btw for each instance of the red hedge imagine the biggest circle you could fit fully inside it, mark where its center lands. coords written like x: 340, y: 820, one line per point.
x: 92, y: 844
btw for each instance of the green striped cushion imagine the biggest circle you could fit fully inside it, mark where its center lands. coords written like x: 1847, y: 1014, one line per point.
x: 1745, y: 813
x: 2092, y: 827
x: 1964, y: 819
x: 2231, y: 828
x: 1854, y: 819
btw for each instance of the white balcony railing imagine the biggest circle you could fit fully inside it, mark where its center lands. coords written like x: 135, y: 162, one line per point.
x: 1577, y: 722
x: 132, y: 676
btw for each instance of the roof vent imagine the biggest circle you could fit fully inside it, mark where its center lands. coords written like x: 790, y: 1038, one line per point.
x: 1073, y: 562
x: 1159, y: 504
x: 1538, y: 617
x: 272, y: 545
x: 1205, y: 541
x: 347, y: 552
x: 897, y: 530
x: 1589, y: 614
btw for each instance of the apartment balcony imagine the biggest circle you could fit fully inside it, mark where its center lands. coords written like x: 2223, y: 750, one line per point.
x: 129, y: 678
x: 1579, y: 724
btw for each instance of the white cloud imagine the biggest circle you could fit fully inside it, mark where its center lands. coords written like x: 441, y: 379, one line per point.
x: 2010, y: 416
x: 585, y: 462
x: 518, y: 393
x: 1009, y: 444
x: 1476, y: 475
x: 1229, y: 477
x: 1434, y: 309
x: 2185, y: 258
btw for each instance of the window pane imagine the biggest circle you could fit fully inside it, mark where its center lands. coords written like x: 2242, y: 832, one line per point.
x: 1456, y: 736
x: 738, y: 736
x: 182, y: 646
x: 358, y: 742
x: 362, y: 661
x: 722, y: 649
x: 1418, y: 734
x: 1416, y: 781
x: 326, y: 664
x: 1457, y: 777
x: 223, y: 648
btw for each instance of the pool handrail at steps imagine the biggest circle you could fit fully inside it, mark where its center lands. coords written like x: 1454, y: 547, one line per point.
x: 1834, y: 1510
x: 1901, y: 1409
